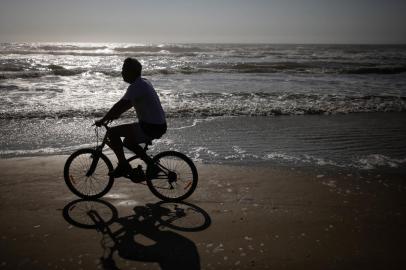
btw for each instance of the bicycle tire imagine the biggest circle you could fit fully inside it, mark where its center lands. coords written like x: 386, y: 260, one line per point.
x: 76, y: 213
x: 182, y: 216
x: 186, y: 177
x: 75, y: 170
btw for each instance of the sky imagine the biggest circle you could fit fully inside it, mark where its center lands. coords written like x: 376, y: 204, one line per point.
x: 211, y: 21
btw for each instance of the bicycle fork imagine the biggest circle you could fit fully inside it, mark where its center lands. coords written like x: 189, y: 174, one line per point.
x: 95, y: 159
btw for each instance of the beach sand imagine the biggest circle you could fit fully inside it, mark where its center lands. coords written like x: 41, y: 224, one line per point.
x: 250, y: 217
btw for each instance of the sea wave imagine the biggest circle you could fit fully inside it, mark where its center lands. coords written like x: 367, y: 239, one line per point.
x: 161, y: 48
x: 61, y: 71
x: 236, y: 104
x: 11, y: 67
x: 61, y: 52
x: 377, y: 70
x: 316, y: 67
x: 217, y: 58
x: 378, y: 160
x: 44, y: 151
x: 13, y: 70
x: 255, y: 67
x: 60, y: 47
x: 53, y: 70
x: 368, y: 162
x: 107, y: 50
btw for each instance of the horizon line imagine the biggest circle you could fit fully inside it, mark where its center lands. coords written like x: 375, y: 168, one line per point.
x: 219, y: 42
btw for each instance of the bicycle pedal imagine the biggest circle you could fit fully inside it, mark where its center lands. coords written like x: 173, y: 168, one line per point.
x: 137, y: 175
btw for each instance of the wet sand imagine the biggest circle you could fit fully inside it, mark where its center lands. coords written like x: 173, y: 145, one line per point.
x: 246, y: 217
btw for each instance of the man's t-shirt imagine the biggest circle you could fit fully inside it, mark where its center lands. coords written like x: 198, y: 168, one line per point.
x: 146, y: 103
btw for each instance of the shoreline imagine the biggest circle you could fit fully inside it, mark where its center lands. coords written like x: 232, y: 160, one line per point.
x: 260, y: 217
x: 347, y: 141
x: 281, y: 164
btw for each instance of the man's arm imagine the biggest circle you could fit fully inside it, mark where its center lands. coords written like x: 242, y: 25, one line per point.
x: 119, y: 108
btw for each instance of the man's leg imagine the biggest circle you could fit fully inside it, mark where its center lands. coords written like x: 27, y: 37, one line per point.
x: 114, y: 134
x: 133, y: 142
x: 133, y: 135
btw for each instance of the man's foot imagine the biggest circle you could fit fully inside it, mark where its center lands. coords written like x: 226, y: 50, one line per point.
x: 137, y: 175
x: 121, y: 170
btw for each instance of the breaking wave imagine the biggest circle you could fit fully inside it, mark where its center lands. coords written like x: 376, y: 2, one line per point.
x: 237, y: 104
x: 12, y: 71
x: 377, y: 70
x: 160, y: 48
x: 215, y: 58
x: 51, y: 70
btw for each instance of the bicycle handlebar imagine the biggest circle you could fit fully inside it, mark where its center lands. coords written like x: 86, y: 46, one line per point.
x: 105, y: 124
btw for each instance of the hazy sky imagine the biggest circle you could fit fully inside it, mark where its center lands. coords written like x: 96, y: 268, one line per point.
x: 152, y: 21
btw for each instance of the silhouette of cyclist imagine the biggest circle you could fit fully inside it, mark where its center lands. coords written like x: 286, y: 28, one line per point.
x: 142, y: 96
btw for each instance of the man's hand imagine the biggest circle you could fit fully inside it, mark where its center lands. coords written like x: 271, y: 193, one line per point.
x: 99, y: 123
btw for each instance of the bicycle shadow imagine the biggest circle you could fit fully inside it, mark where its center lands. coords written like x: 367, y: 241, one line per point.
x: 154, y: 222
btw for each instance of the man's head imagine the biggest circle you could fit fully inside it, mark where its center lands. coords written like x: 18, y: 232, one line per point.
x: 131, y: 70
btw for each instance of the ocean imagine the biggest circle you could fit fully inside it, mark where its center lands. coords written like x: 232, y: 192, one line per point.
x: 318, y: 105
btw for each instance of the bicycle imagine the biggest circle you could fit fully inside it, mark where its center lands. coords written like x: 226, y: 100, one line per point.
x: 170, y: 175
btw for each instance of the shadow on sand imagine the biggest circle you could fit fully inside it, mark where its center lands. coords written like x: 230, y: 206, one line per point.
x: 146, y: 236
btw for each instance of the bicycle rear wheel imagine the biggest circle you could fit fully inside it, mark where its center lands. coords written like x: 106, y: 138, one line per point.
x: 181, y: 216
x: 86, y: 174
x: 175, y: 180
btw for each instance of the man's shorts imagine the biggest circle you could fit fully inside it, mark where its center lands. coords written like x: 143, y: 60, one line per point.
x: 137, y: 135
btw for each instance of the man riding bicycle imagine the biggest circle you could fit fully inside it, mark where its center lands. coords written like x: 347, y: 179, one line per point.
x: 142, y: 96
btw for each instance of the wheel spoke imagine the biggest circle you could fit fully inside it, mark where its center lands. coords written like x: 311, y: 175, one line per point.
x: 88, y: 186
x: 180, y: 179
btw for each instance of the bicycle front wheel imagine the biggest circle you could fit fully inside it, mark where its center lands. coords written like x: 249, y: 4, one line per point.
x: 173, y: 177
x: 86, y: 174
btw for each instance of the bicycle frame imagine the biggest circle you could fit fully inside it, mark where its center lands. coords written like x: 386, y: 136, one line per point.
x: 148, y: 160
